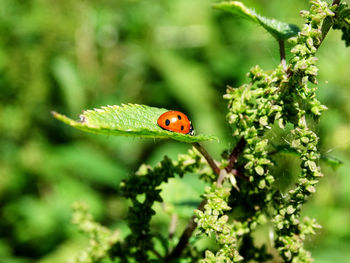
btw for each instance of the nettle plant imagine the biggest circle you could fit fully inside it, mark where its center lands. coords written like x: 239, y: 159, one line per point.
x: 243, y: 180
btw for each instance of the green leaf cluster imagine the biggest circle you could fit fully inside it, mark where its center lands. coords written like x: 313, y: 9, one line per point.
x: 168, y: 53
x: 236, y: 206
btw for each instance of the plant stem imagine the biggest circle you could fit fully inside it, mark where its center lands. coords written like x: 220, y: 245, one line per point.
x: 191, y: 226
x: 207, y: 156
x: 234, y: 155
x: 233, y: 159
x: 282, y: 54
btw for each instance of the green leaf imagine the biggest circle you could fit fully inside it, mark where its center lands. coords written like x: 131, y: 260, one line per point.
x: 279, y: 30
x: 128, y: 120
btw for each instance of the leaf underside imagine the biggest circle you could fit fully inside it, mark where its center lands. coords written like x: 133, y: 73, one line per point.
x: 279, y: 30
x: 128, y: 120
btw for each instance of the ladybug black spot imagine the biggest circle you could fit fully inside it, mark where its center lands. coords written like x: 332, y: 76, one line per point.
x: 167, y: 122
x: 182, y: 127
x: 179, y: 117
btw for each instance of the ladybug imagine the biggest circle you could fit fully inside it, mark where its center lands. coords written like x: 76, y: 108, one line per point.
x: 175, y: 121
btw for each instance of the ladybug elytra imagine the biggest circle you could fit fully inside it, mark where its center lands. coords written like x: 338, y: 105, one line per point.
x: 175, y: 121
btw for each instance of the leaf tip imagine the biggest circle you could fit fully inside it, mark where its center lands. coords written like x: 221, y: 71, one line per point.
x: 62, y: 117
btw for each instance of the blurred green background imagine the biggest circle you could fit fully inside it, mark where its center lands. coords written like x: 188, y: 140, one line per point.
x: 72, y: 55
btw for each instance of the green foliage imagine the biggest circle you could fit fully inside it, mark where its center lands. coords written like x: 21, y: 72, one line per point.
x: 282, y: 96
x: 279, y: 30
x: 128, y: 120
x: 176, y: 54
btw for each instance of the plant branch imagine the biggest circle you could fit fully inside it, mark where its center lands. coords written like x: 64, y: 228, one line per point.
x: 233, y: 159
x: 282, y: 54
x: 235, y: 153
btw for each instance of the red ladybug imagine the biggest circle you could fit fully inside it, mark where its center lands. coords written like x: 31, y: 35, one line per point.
x: 175, y: 121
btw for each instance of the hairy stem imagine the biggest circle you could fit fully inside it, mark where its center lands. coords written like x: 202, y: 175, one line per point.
x: 235, y: 153
x: 239, y: 148
x: 282, y: 54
